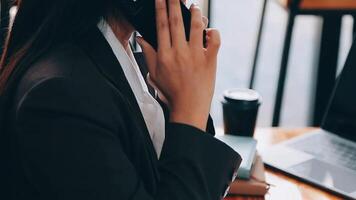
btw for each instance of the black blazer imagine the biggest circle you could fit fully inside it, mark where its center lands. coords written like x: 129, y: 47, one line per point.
x: 77, y: 133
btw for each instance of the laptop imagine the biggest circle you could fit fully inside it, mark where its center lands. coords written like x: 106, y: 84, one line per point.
x: 326, y: 157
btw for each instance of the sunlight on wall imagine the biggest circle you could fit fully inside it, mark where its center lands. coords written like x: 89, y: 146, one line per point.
x: 238, y: 25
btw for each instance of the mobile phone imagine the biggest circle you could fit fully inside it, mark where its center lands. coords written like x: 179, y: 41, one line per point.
x: 141, y: 14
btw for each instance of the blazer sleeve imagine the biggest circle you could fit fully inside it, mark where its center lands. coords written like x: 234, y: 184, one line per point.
x: 71, y: 151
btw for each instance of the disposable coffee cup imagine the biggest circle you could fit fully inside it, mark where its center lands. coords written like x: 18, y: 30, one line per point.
x: 240, y: 109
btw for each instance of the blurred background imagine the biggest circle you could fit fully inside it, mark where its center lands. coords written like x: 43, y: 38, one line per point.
x: 238, y: 22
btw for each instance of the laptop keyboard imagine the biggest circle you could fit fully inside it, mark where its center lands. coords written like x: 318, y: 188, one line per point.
x: 329, y: 149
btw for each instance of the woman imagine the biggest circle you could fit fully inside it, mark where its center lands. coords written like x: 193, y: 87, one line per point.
x: 79, y: 120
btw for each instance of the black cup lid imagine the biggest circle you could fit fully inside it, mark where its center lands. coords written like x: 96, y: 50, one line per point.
x: 242, y: 96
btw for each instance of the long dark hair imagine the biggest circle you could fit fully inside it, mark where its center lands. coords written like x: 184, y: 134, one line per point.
x: 40, y: 24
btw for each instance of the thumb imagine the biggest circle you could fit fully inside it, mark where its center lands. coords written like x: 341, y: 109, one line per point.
x: 149, y: 53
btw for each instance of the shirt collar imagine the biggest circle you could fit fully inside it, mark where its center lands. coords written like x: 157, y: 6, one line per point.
x: 126, y: 58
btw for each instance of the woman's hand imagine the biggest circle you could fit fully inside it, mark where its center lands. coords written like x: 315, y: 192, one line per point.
x: 183, y: 71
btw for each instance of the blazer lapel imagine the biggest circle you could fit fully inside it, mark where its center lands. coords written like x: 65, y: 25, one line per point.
x: 96, y: 46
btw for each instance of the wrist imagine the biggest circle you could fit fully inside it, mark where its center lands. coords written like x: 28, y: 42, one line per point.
x: 190, y: 117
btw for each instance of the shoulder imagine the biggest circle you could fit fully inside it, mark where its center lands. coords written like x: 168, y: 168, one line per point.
x: 63, y: 81
x: 58, y: 62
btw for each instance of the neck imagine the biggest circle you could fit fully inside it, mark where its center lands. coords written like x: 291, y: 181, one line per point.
x: 122, y: 30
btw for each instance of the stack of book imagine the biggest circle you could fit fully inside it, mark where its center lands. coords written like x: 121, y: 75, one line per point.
x: 251, y: 174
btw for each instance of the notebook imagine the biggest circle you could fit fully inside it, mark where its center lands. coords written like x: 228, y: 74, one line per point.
x: 246, y: 147
x: 256, y: 186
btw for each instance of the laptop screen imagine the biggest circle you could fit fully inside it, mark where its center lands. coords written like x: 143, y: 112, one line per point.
x: 341, y: 116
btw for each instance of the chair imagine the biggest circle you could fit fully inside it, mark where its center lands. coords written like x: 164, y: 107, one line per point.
x: 331, y: 11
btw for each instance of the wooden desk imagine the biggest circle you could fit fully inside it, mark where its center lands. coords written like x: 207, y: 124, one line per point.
x: 285, y: 188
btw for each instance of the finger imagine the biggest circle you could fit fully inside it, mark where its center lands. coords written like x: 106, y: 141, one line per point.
x: 149, y: 53
x: 213, y: 43
x: 151, y: 82
x: 197, y: 27
x: 206, y: 22
x: 157, y: 90
x: 176, y: 23
x: 163, y: 34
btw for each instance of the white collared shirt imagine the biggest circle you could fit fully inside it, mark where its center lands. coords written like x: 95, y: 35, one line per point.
x: 151, y: 110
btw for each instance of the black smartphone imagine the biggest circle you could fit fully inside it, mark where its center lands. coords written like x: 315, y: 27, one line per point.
x: 142, y: 15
